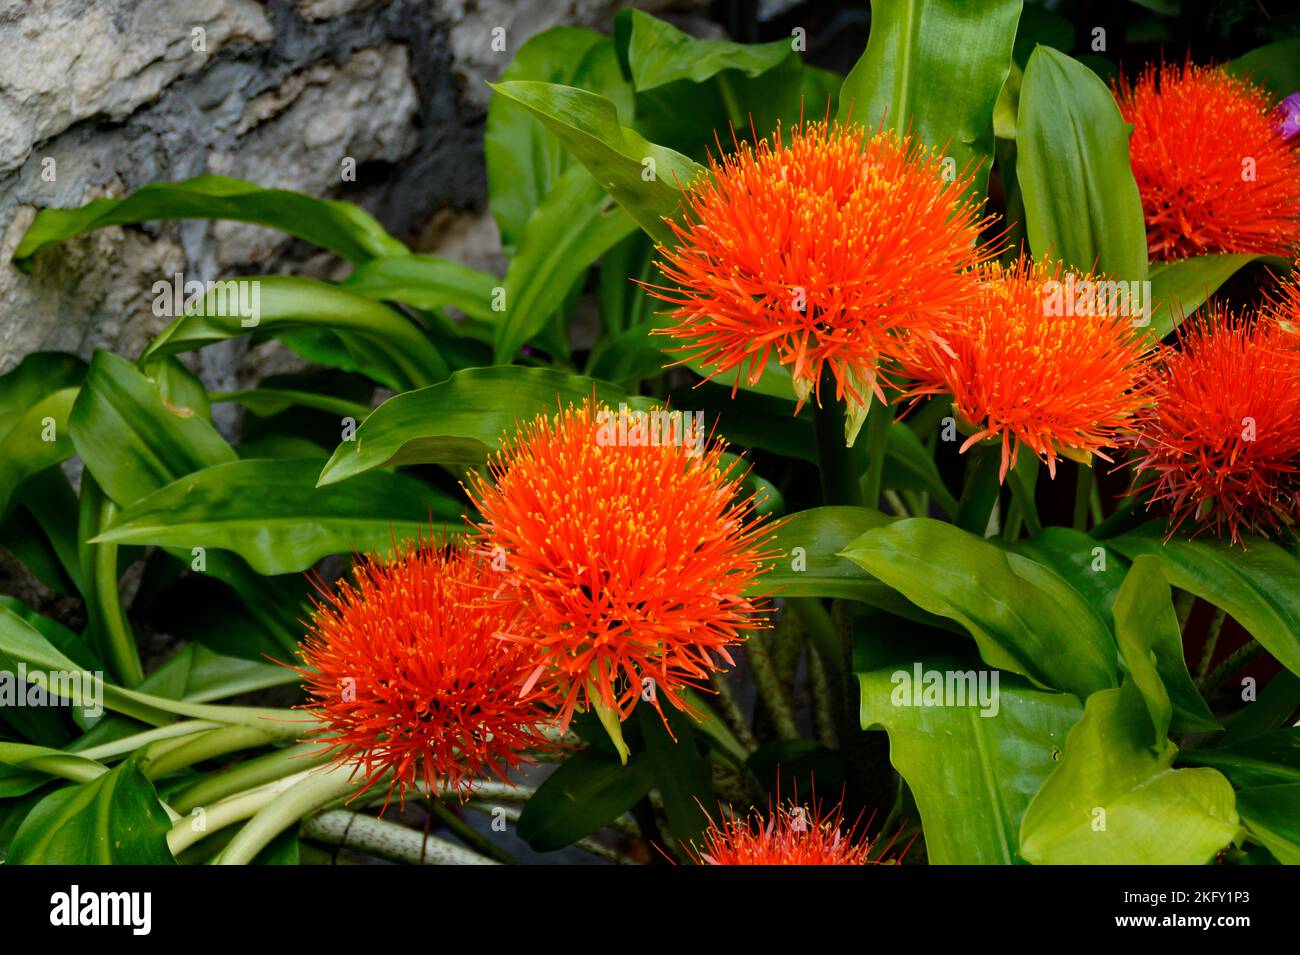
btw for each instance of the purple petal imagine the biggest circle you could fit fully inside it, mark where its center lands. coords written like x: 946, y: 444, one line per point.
x: 1288, y: 117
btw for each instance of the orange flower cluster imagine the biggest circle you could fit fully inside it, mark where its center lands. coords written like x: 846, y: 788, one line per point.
x: 822, y: 251
x: 629, y: 563
x: 789, y: 835
x: 1044, y: 360
x: 407, y: 670
x: 1212, y: 163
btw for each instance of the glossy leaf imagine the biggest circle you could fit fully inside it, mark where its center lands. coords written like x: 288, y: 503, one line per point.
x: 1255, y: 584
x: 589, y: 790
x: 1180, y: 288
x: 1081, y: 201
x: 936, y: 67
x: 286, y: 303
x: 1115, y: 800
x: 340, y: 227
x: 1268, y: 760
x: 1021, y: 614
x: 658, y: 53
x: 573, y: 226
x: 1275, y: 66
x: 460, y: 420
x: 272, y: 514
x: 616, y: 156
x: 113, y: 820
x: 1272, y: 816
x: 425, y: 282
x: 35, y: 399
x: 972, y: 775
x: 1146, y: 628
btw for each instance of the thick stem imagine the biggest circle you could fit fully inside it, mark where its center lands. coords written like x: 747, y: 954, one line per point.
x: 1235, y: 661
x: 769, y: 688
x: 468, y: 834
x: 1211, y: 643
x: 252, y: 773
x: 388, y: 840
x: 192, y: 828
x: 316, y: 791
x: 219, y: 742
x: 839, y: 476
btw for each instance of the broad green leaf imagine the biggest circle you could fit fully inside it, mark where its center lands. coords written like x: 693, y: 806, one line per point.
x: 658, y: 53
x: 681, y: 772
x: 265, y: 402
x: 287, y: 303
x: 460, y: 420
x: 972, y: 775
x: 426, y: 282
x: 1113, y: 800
x: 1021, y: 614
x: 1081, y: 201
x: 589, y: 790
x: 1180, y: 288
x: 113, y: 820
x: 272, y: 514
x: 936, y: 67
x: 524, y: 159
x: 130, y: 439
x: 1255, y: 584
x: 35, y: 399
x: 1146, y: 628
x: 1272, y: 816
x: 1268, y: 760
x: 340, y: 227
x: 571, y: 228
x: 1275, y: 66
x: 1085, y: 563
x: 198, y: 675
x: 1274, y: 707
x: 643, y: 178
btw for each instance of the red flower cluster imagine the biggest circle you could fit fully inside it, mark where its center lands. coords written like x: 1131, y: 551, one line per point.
x: 1212, y: 164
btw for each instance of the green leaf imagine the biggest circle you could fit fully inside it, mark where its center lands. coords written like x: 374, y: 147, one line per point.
x: 113, y: 820
x: 1021, y: 614
x: 460, y: 420
x: 588, y: 124
x: 340, y: 227
x: 1146, y: 628
x: 1180, y: 288
x: 658, y: 53
x: 198, y: 675
x: 1268, y: 760
x: 1082, y: 561
x: 589, y: 790
x: 1255, y: 584
x: 272, y: 514
x: 1081, y: 201
x: 130, y: 439
x: 573, y: 226
x: 1272, y: 816
x: 936, y: 67
x: 265, y: 402
x: 1276, y: 66
x: 525, y: 159
x: 971, y: 775
x: 286, y: 303
x: 681, y: 772
x: 35, y: 399
x: 425, y: 282
x: 1110, y: 777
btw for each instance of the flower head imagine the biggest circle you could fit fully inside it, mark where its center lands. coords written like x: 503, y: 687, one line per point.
x: 1214, y: 170
x: 408, y: 671
x: 628, y: 547
x: 1047, y: 359
x: 1221, y: 447
x: 821, y: 250
x: 787, y: 835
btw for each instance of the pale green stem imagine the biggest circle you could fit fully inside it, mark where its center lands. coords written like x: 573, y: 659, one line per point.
x: 317, y: 790
x: 129, y: 744
x: 1211, y: 643
x: 254, y: 772
x: 192, y: 828
x: 218, y: 742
